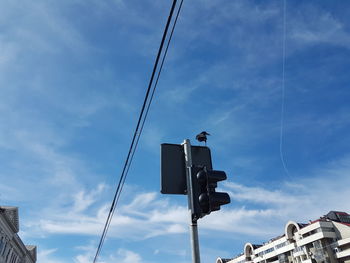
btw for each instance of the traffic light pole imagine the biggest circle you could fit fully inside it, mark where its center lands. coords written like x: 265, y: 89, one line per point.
x: 193, y: 221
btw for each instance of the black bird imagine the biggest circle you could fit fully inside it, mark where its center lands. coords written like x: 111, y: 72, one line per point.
x: 202, y: 137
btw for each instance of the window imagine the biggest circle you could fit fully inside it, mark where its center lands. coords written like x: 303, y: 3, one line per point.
x: 4, y: 250
x: 2, y: 244
x: 328, y: 229
x: 269, y: 250
x: 297, y: 249
x: 14, y: 258
x: 283, y: 258
x: 8, y: 254
x: 282, y: 245
x: 318, y: 230
x: 317, y: 244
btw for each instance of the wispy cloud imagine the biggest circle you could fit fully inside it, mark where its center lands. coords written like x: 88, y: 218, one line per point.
x: 121, y: 255
x: 313, y: 26
x: 126, y: 256
x: 41, y: 29
x: 259, y: 195
x: 145, y: 216
x: 48, y: 255
x: 149, y: 215
x: 84, y: 200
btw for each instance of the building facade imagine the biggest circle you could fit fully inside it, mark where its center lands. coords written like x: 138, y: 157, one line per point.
x: 12, y: 249
x: 326, y: 240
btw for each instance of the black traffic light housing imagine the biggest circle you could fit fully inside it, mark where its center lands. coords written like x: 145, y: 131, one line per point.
x: 206, y: 199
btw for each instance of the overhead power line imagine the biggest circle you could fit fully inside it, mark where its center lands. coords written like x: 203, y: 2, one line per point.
x: 141, y: 120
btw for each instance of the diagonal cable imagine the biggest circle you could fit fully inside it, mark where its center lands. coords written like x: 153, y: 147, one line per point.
x: 141, y: 121
x: 150, y: 101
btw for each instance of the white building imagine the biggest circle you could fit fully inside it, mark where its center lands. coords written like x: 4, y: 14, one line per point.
x: 12, y: 249
x: 326, y: 240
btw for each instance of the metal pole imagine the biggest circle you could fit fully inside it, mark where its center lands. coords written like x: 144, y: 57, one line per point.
x: 193, y: 222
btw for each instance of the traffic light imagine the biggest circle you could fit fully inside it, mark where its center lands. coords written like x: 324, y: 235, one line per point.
x: 206, y: 199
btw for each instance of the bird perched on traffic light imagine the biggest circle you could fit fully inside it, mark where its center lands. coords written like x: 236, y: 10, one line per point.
x: 202, y: 137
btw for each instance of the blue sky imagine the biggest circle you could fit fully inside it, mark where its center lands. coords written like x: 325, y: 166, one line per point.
x: 73, y: 76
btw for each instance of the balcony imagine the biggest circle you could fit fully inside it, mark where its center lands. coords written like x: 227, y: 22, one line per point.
x: 298, y: 253
x: 285, y: 248
x: 314, y: 237
x: 257, y: 259
x: 343, y: 242
x: 342, y: 254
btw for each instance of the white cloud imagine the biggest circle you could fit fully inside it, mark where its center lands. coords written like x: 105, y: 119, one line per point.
x: 121, y: 255
x: 254, y: 222
x: 87, y: 254
x: 302, y: 200
x: 314, y: 26
x: 258, y: 211
x: 260, y: 195
x: 179, y: 95
x: 40, y: 29
x: 83, y: 200
x: 246, y: 11
x: 144, y: 216
x: 47, y: 256
x: 126, y: 256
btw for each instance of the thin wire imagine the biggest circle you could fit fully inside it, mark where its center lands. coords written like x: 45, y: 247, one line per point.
x: 138, y: 131
x: 283, y: 89
x: 161, y: 66
x: 153, y: 91
x: 157, y: 79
